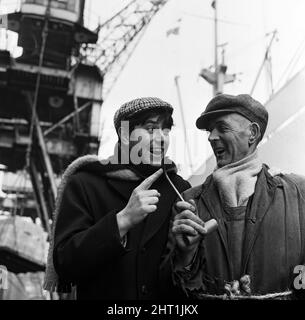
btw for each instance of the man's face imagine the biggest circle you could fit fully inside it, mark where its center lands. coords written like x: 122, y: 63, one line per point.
x: 229, y: 137
x: 150, y: 141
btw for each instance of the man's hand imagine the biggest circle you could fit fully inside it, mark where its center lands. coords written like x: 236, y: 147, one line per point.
x: 188, y: 230
x: 141, y: 203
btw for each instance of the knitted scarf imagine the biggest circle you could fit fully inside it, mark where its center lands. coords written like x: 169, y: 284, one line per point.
x: 114, y: 171
x: 236, y: 181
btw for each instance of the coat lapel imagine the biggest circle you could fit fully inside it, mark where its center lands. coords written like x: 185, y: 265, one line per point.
x: 124, y: 188
x: 156, y: 219
x: 262, y: 199
x: 212, y: 201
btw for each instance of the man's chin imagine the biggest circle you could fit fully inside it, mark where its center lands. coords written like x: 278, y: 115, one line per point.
x: 221, y: 162
x: 156, y: 162
x: 153, y: 161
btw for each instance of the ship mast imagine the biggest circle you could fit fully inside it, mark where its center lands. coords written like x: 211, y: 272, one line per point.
x: 219, y: 77
x: 216, y: 88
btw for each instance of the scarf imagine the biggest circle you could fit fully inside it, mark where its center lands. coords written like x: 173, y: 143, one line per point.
x: 115, y: 171
x: 236, y: 181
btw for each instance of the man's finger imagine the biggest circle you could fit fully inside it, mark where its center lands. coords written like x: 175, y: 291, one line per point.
x: 193, y: 203
x: 199, y: 228
x: 183, y: 205
x: 150, y: 208
x: 150, y: 193
x: 187, y: 214
x: 151, y: 200
x: 146, y: 184
x: 184, y: 230
x: 210, y: 226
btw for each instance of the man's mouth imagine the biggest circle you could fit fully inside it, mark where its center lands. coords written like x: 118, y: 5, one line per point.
x: 219, y: 152
x: 157, y: 151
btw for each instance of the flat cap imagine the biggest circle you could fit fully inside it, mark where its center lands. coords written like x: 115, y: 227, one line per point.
x: 243, y: 104
x: 137, y: 106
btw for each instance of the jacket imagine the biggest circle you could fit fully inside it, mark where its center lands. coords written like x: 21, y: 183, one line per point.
x: 273, y: 244
x: 87, y: 247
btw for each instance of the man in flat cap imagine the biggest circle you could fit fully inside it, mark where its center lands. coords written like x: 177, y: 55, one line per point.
x: 259, y: 245
x: 112, y: 216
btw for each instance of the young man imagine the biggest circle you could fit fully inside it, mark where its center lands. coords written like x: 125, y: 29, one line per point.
x: 112, y: 217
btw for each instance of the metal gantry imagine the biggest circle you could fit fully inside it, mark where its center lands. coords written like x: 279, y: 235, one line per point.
x: 52, y: 95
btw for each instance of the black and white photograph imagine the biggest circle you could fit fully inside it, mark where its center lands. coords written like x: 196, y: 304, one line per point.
x: 152, y: 153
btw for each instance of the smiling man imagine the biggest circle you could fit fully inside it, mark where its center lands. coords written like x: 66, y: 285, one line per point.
x: 112, y: 217
x: 228, y: 136
x: 261, y: 217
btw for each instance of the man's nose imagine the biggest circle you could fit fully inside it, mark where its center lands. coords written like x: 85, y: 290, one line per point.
x: 159, y: 134
x: 159, y: 137
x: 213, y: 135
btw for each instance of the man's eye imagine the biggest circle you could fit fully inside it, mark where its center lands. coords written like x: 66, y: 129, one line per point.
x: 221, y: 128
x: 150, y: 129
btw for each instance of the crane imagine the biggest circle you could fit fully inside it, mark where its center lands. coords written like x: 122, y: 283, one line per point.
x: 119, y: 37
x: 60, y: 57
x: 51, y: 98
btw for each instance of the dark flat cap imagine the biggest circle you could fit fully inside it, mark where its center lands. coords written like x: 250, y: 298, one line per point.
x: 242, y: 104
x: 137, y: 106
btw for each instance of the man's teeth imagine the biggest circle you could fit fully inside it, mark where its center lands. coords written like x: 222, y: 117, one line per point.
x: 156, y: 150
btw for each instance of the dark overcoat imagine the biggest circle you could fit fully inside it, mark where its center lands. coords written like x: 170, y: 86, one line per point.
x: 88, y: 249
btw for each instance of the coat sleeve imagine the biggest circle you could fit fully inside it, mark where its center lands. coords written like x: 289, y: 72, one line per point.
x: 81, y: 245
x: 299, y: 182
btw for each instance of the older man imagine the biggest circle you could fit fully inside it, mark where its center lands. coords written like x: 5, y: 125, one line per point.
x: 259, y: 247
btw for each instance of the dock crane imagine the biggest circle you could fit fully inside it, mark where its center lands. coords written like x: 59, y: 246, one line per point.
x: 52, y: 95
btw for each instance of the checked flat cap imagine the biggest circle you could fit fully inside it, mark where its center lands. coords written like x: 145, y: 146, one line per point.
x: 242, y: 104
x: 134, y: 107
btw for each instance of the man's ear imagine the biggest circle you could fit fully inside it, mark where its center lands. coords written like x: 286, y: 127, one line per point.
x: 124, y: 136
x: 255, y: 133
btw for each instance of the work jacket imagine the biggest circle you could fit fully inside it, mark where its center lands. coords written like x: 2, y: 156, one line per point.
x: 273, y: 243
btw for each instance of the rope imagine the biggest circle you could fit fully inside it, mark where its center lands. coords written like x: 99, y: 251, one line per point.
x: 241, y: 290
x: 251, y: 297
